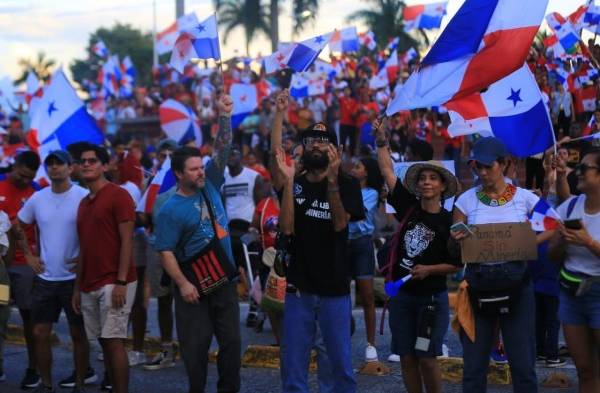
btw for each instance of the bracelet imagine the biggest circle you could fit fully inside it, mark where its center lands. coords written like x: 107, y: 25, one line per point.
x: 120, y: 282
x: 381, y: 143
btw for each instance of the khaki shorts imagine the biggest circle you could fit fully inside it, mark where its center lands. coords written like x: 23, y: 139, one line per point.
x: 100, y: 319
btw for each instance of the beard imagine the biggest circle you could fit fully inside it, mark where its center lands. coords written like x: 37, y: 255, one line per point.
x: 315, y: 160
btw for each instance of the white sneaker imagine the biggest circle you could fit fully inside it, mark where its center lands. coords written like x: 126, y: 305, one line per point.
x: 136, y: 358
x: 394, y: 358
x: 2, y: 377
x: 371, y: 354
x: 445, y: 351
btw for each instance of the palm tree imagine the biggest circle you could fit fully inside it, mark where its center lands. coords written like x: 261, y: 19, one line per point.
x: 251, y: 15
x: 42, y: 66
x: 385, y: 20
x: 303, y: 12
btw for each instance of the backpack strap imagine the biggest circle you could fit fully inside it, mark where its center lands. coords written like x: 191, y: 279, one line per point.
x: 571, y: 205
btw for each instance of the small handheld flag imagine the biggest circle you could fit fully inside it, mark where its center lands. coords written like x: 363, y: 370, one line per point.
x: 392, y: 288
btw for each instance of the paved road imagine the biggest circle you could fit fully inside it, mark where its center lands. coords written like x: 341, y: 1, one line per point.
x: 255, y: 380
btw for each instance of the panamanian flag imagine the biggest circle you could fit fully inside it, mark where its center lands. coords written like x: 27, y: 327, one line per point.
x: 543, y: 217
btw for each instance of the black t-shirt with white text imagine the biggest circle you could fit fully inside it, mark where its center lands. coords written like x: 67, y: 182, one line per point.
x: 423, y: 241
x: 319, y: 264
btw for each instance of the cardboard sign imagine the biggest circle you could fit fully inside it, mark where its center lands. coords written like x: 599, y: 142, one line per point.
x: 514, y: 241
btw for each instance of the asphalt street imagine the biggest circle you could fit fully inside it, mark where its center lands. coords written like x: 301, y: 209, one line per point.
x: 255, y: 380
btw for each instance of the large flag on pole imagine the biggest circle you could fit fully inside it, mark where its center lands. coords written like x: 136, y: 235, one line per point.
x: 485, y: 41
x: 165, y: 40
x: 62, y: 117
x: 297, y: 56
x: 511, y: 109
x: 200, y: 42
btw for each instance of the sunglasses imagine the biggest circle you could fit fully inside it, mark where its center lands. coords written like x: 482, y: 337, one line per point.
x: 583, y: 168
x: 90, y: 161
x: 312, y: 140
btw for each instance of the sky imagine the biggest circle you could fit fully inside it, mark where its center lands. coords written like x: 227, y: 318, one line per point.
x: 61, y: 28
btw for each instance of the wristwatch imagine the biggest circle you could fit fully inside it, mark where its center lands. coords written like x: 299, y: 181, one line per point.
x: 120, y: 282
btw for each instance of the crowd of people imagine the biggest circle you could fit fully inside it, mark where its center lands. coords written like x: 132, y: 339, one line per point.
x: 310, y: 186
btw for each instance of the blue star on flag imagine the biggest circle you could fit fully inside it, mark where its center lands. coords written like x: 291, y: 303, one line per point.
x: 515, y: 96
x: 51, y: 108
x: 201, y: 27
x: 319, y: 39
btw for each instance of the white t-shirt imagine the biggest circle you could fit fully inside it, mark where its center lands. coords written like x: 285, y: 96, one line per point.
x: 239, y: 194
x: 581, y: 259
x: 318, y: 109
x: 56, y: 218
x: 479, y: 213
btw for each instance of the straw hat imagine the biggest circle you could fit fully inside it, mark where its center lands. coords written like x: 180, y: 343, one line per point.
x: 412, y: 177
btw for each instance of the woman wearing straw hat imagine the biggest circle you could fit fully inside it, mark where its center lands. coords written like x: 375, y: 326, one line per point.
x: 419, y: 313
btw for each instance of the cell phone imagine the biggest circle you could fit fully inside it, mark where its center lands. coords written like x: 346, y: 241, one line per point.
x: 573, y: 224
x: 461, y: 227
x: 284, y: 77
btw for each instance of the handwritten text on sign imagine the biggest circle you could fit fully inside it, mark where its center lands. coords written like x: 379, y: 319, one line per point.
x: 499, y: 243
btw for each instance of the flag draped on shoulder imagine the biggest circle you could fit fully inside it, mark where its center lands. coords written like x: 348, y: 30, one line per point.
x: 485, y: 41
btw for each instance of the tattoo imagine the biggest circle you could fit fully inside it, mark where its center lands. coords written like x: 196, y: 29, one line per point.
x: 223, y: 142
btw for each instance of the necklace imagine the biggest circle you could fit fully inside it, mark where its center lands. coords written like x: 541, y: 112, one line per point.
x: 506, y: 197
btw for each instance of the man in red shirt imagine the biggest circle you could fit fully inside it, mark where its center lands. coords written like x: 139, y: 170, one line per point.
x: 106, y: 277
x: 348, y: 113
x: 15, y: 189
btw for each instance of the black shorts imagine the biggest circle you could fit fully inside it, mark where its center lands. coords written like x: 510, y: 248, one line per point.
x: 49, y: 298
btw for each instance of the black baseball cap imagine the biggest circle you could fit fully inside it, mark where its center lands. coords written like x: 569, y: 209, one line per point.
x: 320, y: 130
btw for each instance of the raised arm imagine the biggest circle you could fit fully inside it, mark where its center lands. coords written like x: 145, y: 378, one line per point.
x: 286, y: 174
x: 339, y: 216
x: 215, y: 171
x: 384, y: 158
x: 281, y: 108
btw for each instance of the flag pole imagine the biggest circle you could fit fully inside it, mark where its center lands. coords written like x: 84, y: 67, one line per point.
x: 220, y: 55
x: 154, y: 52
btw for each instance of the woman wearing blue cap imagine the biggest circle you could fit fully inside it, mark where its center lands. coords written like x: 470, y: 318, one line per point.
x: 496, y: 201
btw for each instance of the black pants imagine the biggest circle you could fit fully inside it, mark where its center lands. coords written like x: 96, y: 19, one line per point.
x: 547, y: 325
x: 217, y: 314
x: 534, y: 169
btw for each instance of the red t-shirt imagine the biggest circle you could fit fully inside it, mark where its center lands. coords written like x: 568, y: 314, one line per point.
x: 348, y: 111
x: 12, y: 200
x: 98, y: 222
x: 269, y: 221
x: 367, y: 108
x: 261, y: 171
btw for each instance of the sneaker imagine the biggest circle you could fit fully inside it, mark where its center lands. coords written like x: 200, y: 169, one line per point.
x: 31, y: 379
x: 498, y: 356
x: 136, y: 358
x: 540, y: 359
x: 90, y: 378
x: 371, y: 354
x: 445, y: 351
x: 394, y: 358
x: 164, y: 359
x: 2, y: 376
x: 558, y: 362
x: 105, y: 384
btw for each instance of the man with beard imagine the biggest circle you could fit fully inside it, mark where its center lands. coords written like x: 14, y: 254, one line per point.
x: 315, y: 209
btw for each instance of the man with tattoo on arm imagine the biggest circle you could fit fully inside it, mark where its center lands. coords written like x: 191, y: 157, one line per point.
x: 192, y: 238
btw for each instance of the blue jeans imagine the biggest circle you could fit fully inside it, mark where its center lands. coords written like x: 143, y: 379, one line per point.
x: 302, y: 313
x: 518, y: 331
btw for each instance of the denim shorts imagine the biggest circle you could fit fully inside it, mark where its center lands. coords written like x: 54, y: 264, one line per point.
x: 405, y: 309
x: 361, y: 256
x: 581, y: 310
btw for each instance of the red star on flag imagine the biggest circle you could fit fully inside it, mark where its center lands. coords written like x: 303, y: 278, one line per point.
x: 243, y: 98
x: 280, y: 57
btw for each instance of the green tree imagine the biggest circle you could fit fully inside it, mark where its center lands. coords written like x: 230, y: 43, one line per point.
x: 122, y: 40
x: 250, y: 15
x: 41, y: 65
x: 385, y: 20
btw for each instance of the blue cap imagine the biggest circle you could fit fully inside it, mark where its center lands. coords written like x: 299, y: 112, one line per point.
x: 487, y: 150
x: 61, y: 155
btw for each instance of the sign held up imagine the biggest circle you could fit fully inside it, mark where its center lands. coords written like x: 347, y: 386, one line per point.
x: 499, y: 243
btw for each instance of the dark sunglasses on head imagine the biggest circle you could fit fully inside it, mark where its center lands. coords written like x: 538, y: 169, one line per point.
x: 312, y: 140
x: 583, y: 168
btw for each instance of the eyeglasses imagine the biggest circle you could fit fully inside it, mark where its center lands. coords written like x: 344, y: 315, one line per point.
x: 583, y: 168
x: 312, y: 140
x: 90, y: 161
